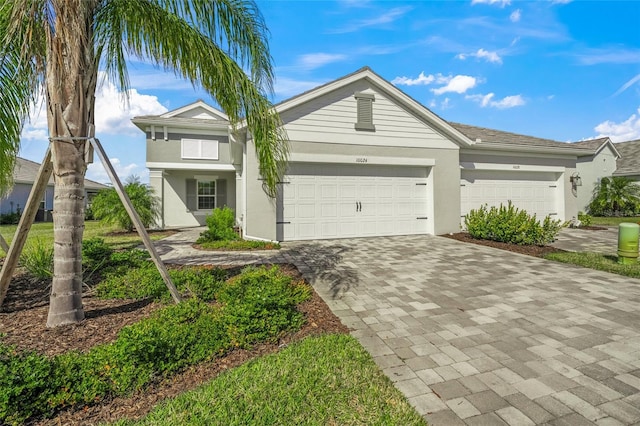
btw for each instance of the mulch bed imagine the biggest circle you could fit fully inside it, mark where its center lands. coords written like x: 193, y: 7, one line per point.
x: 537, y: 251
x: 23, y: 321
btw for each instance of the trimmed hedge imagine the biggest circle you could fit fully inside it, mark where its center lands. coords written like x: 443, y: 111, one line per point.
x: 509, y: 224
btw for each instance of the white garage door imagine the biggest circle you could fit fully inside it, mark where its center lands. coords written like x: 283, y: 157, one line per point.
x: 320, y: 201
x: 531, y: 191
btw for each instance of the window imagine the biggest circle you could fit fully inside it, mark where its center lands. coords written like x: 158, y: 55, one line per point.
x: 201, y: 149
x: 364, y: 114
x: 206, y: 195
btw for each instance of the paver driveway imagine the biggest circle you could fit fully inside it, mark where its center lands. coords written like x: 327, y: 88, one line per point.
x: 474, y: 335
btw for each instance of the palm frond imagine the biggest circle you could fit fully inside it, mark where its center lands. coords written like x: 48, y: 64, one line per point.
x: 19, y: 80
x: 163, y: 32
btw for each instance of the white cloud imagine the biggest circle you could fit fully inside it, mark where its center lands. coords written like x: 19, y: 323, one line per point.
x: 628, y: 84
x: 458, y: 84
x: 385, y: 18
x: 96, y: 172
x: 312, y: 61
x: 422, y: 79
x: 515, y: 15
x: 613, y: 55
x: 619, y: 132
x: 112, y: 114
x: 446, y: 104
x: 504, y: 103
x: 501, y: 3
x: 287, y: 87
x: 489, y: 56
x: 561, y: 1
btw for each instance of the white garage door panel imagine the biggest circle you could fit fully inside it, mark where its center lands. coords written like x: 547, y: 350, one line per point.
x: 341, y: 201
x: 537, y: 193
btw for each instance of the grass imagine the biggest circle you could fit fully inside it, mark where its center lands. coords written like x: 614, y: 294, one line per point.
x: 613, y: 221
x: 598, y: 261
x: 326, y: 380
x: 43, y: 232
x: 238, y: 245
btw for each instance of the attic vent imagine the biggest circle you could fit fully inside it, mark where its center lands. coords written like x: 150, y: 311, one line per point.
x: 365, y: 111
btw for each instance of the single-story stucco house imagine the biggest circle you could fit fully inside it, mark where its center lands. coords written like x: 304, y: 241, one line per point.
x: 25, y: 173
x: 366, y: 160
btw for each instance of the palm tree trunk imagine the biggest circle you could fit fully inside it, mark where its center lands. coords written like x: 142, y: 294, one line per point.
x: 70, y: 89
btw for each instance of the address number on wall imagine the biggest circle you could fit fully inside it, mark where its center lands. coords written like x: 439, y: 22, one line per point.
x: 361, y: 160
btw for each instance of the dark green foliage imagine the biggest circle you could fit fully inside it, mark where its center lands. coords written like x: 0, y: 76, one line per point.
x: 508, y: 224
x: 10, y: 218
x: 107, y: 207
x: 259, y: 302
x: 615, y: 196
x: 238, y: 245
x: 257, y: 305
x: 220, y: 223
x: 96, y: 253
x: 144, y: 281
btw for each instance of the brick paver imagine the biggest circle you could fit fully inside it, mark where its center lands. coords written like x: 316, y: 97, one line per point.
x: 475, y: 335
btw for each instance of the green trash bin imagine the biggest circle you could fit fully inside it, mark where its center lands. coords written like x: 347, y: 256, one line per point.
x: 628, y: 235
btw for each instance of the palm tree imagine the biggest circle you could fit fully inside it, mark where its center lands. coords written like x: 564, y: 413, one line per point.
x: 55, y: 48
x: 615, y: 196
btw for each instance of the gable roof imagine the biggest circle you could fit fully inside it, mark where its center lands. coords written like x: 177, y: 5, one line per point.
x: 215, y: 119
x: 26, y: 171
x: 366, y: 73
x: 491, y: 137
x: 629, y: 162
x: 199, y: 104
x: 598, y: 145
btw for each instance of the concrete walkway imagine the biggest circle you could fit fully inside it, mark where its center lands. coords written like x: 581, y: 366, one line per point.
x: 598, y: 241
x: 474, y: 335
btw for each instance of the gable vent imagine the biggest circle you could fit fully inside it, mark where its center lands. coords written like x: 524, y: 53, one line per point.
x: 364, y: 102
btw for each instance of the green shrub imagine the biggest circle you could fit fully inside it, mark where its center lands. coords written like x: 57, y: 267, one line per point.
x: 509, y: 224
x: 144, y: 281
x: 10, y: 218
x: 585, y: 219
x: 25, y: 384
x: 259, y: 302
x: 37, y: 259
x: 615, y: 196
x: 96, y: 253
x: 220, y: 223
x: 107, y: 207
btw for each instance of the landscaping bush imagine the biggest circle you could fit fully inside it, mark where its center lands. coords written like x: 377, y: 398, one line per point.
x: 615, y: 196
x: 259, y: 302
x: 95, y: 253
x: 107, y: 207
x: 585, y: 219
x: 37, y: 259
x: 10, y: 218
x: 220, y: 223
x: 509, y: 224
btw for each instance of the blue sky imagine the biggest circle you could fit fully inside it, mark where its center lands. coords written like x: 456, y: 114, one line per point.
x: 563, y: 70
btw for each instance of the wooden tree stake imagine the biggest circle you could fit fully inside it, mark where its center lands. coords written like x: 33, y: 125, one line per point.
x: 3, y: 244
x: 26, y: 220
x: 135, y: 218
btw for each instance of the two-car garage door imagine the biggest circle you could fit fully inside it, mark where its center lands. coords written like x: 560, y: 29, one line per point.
x: 321, y: 201
x: 536, y: 192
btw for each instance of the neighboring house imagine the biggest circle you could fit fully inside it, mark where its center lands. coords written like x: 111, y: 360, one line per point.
x: 366, y: 160
x: 629, y: 162
x: 24, y: 174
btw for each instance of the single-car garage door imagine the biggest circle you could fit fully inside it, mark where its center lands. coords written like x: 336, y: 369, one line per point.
x: 535, y: 192
x: 320, y: 201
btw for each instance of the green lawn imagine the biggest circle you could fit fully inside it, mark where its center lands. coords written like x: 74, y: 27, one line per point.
x: 613, y: 221
x: 598, y: 261
x: 238, y: 245
x: 326, y: 380
x: 43, y: 231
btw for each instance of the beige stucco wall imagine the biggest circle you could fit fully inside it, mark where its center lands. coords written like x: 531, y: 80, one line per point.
x: 591, y: 170
x: 170, y: 151
x: 172, y: 184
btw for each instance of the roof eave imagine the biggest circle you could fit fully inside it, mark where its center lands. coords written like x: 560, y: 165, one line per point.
x: 533, y: 149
